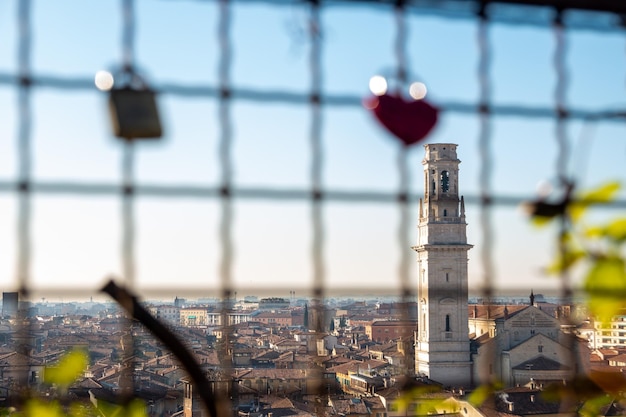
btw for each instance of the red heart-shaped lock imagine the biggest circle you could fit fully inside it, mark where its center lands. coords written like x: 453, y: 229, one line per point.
x: 409, y: 121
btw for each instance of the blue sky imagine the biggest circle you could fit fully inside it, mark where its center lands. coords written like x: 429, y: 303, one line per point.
x: 76, y: 239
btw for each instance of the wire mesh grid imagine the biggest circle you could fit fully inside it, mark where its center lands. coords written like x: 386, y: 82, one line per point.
x: 319, y: 102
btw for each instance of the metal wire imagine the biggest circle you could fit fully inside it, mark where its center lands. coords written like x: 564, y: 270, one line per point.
x: 129, y: 343
x: 128, y: 33
x: 24, y: 150
x: 402, y: 162
x: 128, y: 154
x: 486, y: 158
x: 128, y: 214
x: 24, y: 157
x: 303, y: 98
x: 560, y: 135
x: 560, y: 90
x: 510, y: 14
x: 316, y: 170
x: 226, y: 180
x: 317, y: 154
x: 225, y: 148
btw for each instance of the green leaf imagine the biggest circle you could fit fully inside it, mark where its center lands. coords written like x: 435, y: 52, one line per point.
x: 77, y: 409
x: 540, y: 221
x: 594, y: 232
x: 571, y: 254
x: 69, y: 368
x: 480, y: 395
x: 433, y: 406
x: 592, y: 407
x: 604, y: 194
x: 107, y: 409
x: 37, y: 408
x: 136, y: 408
x: 605, y: 284
x: 616, y: 230
x: 565, y: 261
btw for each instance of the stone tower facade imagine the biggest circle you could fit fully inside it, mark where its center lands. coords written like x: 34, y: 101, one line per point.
x: 442, y: 350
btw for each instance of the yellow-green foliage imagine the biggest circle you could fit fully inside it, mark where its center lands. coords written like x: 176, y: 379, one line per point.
x: 62, y: 374
x: 426, y: 401
x: 71, y: 367
x: 482, y: 393
x: 599, y: 249
x: 600, y: 245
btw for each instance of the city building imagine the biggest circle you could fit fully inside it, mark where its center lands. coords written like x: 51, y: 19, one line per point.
x: 511, y: 344
x: 169, y: 314
x: 194, y: 316
x: 274, y: 303
x: 520, y: 344
x: 214, y: 318
x: 609, y: 334
x: 9, y: 304
x: 383, y: 331
x: 282, y: 318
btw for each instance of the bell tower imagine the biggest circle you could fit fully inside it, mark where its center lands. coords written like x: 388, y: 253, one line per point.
x: 442, y: 350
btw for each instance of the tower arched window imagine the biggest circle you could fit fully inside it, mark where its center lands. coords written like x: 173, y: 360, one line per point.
x: 445, y: 181
x: 448, y: 329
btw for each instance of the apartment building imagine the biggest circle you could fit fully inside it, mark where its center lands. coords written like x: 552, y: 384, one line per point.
x: 194, y: 317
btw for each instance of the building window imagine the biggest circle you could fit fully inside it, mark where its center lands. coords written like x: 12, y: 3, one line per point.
x: 445, y: 181
x: 447, y: 277
x: 448, y: 323
x: 540, y: 348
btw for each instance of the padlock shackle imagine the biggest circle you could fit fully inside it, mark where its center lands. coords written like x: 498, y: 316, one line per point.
x: 128, y: 77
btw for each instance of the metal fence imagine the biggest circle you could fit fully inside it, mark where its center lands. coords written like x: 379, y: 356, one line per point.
x: 561, y: 19
x: 21, y: 81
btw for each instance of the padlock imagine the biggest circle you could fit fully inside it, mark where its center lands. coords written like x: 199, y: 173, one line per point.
x: 134, y: 113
